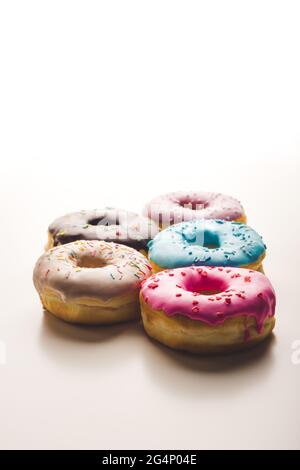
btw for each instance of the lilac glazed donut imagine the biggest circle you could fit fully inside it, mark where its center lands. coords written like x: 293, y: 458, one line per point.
x: 180, y: 206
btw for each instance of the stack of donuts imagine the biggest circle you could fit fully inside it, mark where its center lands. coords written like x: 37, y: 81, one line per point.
x: 190, y: 267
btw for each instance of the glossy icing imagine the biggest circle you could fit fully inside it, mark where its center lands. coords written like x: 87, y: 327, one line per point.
x: 189, y: 243
x: 172, y: 208
x: 109, y: 224
x: 238, y: 292
x: 121, y: 270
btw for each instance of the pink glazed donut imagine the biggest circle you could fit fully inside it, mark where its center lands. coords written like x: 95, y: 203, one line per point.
x: 208, y: 309
x: 180, y: 206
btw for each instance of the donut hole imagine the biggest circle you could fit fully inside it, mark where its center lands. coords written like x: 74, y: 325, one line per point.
x: 90, y: 262
x: 105, y: 220
x: 209, y: 291
x: 194, y: 204
x: 206, y: 286
x: 203, y: 238
x: 211, y: 240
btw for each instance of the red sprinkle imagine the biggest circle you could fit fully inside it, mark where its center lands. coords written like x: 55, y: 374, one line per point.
x: 178, y: 295
x: 247, y: 279
x: 241, y: 296
x: 195, y: 302
x: 199, y: 271
x: 228, y: 270
x: 234, y: 276
x: 211, y: 299
x: 152, y: 285
x: 219, y: 298
x: 171, y: 274
x: 228, y: 301
x: 195, y: 309
x: 220, y: 269
x: 183, y: 273
x: 179, y: 286
x: 260, y: 295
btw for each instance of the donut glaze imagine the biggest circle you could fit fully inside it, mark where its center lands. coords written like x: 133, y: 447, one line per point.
x: 109, y: 224
x: 176, y: 207
x: 234, y: 292
x: 207, y: 243
x: 90, y: 270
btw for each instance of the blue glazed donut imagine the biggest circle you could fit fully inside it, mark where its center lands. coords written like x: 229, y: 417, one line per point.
x: 207, y: 243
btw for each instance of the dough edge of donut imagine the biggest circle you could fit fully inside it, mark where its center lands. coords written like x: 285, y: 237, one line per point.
x: 50, y: 242
x: 196, y: 337
x: 89, y: 311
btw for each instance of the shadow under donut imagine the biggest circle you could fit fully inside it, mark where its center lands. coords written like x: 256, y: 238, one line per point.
x: 213, y: 375
x: 84, y: 333
x: 85, y: 345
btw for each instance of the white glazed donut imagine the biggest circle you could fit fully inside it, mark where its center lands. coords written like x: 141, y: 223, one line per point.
x: 91, y: 281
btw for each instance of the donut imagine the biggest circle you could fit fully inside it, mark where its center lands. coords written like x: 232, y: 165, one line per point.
x: 91, y: 282
x: 207, y: 243
x: 109, y: 224
x: 208, y: 309
x: 172, y: 208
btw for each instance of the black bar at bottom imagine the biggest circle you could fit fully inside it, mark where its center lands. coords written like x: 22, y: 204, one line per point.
x: 137, y: 458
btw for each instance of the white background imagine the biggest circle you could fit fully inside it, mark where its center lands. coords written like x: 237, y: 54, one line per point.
x: 112, y: 103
